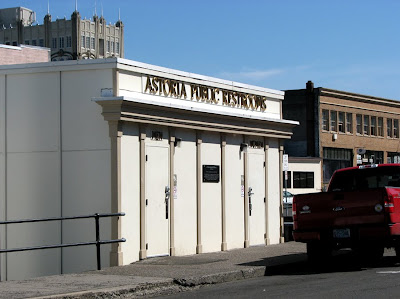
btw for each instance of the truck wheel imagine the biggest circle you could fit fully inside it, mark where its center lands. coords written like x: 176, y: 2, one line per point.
x: 318, y: 251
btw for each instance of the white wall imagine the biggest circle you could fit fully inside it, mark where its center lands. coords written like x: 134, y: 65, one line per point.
x: 2, y: 174
x: 55, y: 155
x: 185, y: 201
x: 130, y: 193
x: 211, y: 221
x: 234, y: 201
x: 305, y: 166
x: 273, y: 191
x: 86, y: 166
x: 33, y: 171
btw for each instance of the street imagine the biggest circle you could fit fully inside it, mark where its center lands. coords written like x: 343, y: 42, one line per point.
x: 341, y: 277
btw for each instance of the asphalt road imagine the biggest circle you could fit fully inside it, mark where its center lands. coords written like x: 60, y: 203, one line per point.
x: 342, y: 277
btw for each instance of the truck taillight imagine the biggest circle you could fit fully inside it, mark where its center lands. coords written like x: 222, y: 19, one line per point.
x: 389, y: 203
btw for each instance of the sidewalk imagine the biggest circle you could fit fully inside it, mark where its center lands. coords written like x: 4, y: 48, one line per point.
x: 161, y: 275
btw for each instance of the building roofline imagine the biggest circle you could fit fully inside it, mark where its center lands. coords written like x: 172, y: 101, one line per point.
x: 124, y: 63
x: 128, y: 62
x: 351, y: 96
x: 358, y: 97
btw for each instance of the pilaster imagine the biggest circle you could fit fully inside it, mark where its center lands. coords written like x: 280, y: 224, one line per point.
x: 224, y: 245
x: 199, y: 141
x: 115, y: 131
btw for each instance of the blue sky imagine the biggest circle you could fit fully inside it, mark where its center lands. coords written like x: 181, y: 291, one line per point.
x: 351, y: 45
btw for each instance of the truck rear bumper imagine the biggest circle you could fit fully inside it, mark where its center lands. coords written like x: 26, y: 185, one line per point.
x: 306, y: 236
x: 357, y: 234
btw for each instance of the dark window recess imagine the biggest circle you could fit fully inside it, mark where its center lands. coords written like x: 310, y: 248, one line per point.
x: 156, y: 135
x: 256, y: 144
x: 303, y: 179
x: 289, y: 179
x: 334, y: 159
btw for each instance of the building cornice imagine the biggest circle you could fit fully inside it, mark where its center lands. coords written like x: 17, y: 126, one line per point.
x: 358, y: 97
x: 123, y: 109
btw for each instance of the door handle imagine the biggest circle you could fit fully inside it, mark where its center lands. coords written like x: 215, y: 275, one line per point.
x: 167, y: 195
x: 250, y: 193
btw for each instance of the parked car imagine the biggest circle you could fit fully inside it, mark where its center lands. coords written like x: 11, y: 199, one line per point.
x: 287, y: 197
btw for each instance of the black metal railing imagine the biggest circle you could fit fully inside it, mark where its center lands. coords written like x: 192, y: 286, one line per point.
x: 98, y: 242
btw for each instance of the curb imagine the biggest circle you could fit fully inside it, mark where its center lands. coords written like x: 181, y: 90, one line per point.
x: 171, y: 286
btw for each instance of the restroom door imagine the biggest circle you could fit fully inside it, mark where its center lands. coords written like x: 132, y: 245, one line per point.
x: 157, y: 200
x: 256, y: 181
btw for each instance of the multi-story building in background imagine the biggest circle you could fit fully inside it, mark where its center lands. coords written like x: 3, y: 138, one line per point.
x: 344, y: 129
x: 72, y: 39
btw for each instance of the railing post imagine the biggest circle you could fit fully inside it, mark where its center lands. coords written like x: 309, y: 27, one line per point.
x: 97, y: 217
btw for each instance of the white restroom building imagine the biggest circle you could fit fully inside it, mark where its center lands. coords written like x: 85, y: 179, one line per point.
x: 193, y: 161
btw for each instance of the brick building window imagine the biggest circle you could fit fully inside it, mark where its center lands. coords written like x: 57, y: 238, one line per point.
x: 389, y: 127
x: 333, y: 121
x: 349, y: 122
x: 380, y: 126
x: 373, y: 125
x: 359, y: 123
x: 325, y: 120
x: 341, y: 122
x: 396, y: 128
x: 366, y: 125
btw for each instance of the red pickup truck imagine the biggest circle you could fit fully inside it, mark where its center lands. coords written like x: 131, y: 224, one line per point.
x: 360, y: 210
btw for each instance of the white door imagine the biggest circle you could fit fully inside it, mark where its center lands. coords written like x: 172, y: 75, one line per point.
x: 256, y: 198
x: 157, y: 200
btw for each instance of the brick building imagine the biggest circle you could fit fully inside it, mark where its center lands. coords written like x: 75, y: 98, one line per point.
x: 343, y: 128
x: 23, y: 54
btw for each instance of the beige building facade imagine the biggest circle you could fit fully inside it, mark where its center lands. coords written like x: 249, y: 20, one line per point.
x: 193, y: 161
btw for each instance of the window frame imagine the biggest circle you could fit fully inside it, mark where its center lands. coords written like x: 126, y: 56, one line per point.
x: 380, y: 127
x: 341, y: 122
x: 395, y: 128
x: 366, y: 125
x: 389, y: 128
x: 373, y: 127
x: 325, y: 120
x: 349, y: 123
x: 333, y: 121
x: 303, y: 180
x: 359, y: 123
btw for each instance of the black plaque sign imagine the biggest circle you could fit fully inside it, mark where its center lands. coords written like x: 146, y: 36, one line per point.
x: 210, y: 173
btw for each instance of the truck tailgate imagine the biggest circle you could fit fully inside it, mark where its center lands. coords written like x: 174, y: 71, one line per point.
x: 339, y: 209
